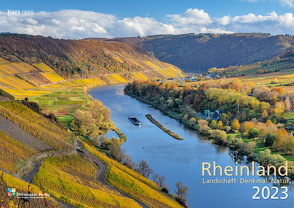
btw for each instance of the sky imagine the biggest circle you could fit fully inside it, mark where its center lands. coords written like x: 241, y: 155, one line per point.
x: 124, y: 18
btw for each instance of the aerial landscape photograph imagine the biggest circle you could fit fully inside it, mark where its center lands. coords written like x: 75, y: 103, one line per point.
x: 153, y: 104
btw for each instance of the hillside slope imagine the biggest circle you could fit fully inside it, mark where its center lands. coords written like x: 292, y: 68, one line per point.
x: 199, y: 52
x: 73, y: 58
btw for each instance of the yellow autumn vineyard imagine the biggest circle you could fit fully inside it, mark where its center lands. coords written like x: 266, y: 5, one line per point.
x: 91, y: 81
x: 21, y: 186
x: 132, y: 183
x: 150, y: 64
x: 43, y: 67
x: 52, y: 77
x: 74, y: 181
x: 12, y: 151
x: 35, y: 124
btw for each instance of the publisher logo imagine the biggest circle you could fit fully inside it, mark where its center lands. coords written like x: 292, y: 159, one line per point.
x: 11, y: 192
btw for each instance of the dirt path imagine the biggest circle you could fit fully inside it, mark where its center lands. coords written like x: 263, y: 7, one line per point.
x: 101, y: 179
x: 30, y: 176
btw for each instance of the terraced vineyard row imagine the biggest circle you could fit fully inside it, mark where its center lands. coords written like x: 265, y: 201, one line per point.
x: 74, y: 181
x: 132, y: 183
x: 14, y: 131
x: 35, y: 124
x: 12, y: 152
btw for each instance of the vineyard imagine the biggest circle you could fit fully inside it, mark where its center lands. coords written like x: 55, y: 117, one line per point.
x: 52, y: 77
x: 11, y: 152
x: 8, y: 181
x: 132, y: 183
x: 91, y: 81
x: 115, y: 78
x: 139, y: 76
x: 35, y: 124
x: 43, y: 67
x: 74, y: 181
x: 21, y: 135
x: 150, y: 64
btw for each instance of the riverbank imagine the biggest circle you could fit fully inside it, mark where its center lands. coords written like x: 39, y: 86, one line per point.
x: 169, y: 132
x: 241, y: 147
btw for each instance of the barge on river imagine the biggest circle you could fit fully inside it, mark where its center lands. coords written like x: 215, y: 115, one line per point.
x: 134, y: 120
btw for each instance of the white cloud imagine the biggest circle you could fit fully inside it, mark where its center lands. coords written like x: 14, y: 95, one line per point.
x: 143, y: 26
x: 289, y: 3
x: 82, y: 24
x: 190, y: 17
x: 286, y: 3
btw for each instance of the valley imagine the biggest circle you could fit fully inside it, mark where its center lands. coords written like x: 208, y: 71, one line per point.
x: 60, y: 99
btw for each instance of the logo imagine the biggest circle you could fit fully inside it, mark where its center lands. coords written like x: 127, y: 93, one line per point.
x: 11, y: 192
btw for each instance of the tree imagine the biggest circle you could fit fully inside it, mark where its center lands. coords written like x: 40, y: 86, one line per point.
x: 269, y: 123
x: 220, y: 125
x: 247, y: 125
x: 279, y: 108
x: 203, y: 126
x: 144, y: 168
x: 182, y: 190
x: 235, y: 124
x: 115, y: 150
x: 264, y: 114
x: 159, y: 180
x: 213, y: 124
x: 192, y: 121
x: 288, y: 104
x: 270, y: 138
x: 252, y: 133
x: 128, y: 161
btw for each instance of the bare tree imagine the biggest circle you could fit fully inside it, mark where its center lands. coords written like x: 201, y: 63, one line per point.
x: 144, y: 168
x: 155, y: 177
x: 128, y: 161
x: 182, y: 190
x: 161, y: 180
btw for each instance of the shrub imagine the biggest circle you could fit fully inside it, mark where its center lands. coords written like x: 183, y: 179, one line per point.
x: 252, y: 133
x: 270, y: 138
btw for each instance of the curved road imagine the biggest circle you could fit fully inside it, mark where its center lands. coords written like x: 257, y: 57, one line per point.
x: 102, y: 173
x: 79, y: 149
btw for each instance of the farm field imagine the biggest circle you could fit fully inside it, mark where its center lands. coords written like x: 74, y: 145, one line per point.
x: 62, y: 103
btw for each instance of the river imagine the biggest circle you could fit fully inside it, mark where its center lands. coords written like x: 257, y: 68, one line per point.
x: 182, y: 160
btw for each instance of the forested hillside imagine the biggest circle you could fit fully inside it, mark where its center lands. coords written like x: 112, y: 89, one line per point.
x: 199, y: 52
x: 77, y: 58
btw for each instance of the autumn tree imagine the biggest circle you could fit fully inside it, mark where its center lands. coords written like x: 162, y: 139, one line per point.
x: 235, y: 124
x: 288, y: 104
x: 264, y: 114
x: 115, y: 150
x: 279, y: 108
x: 213, y: 124
x: 220, y: 125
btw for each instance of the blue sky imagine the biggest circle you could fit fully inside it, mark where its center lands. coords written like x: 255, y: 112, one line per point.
x: 154, y: 8
x: 113, y: 18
